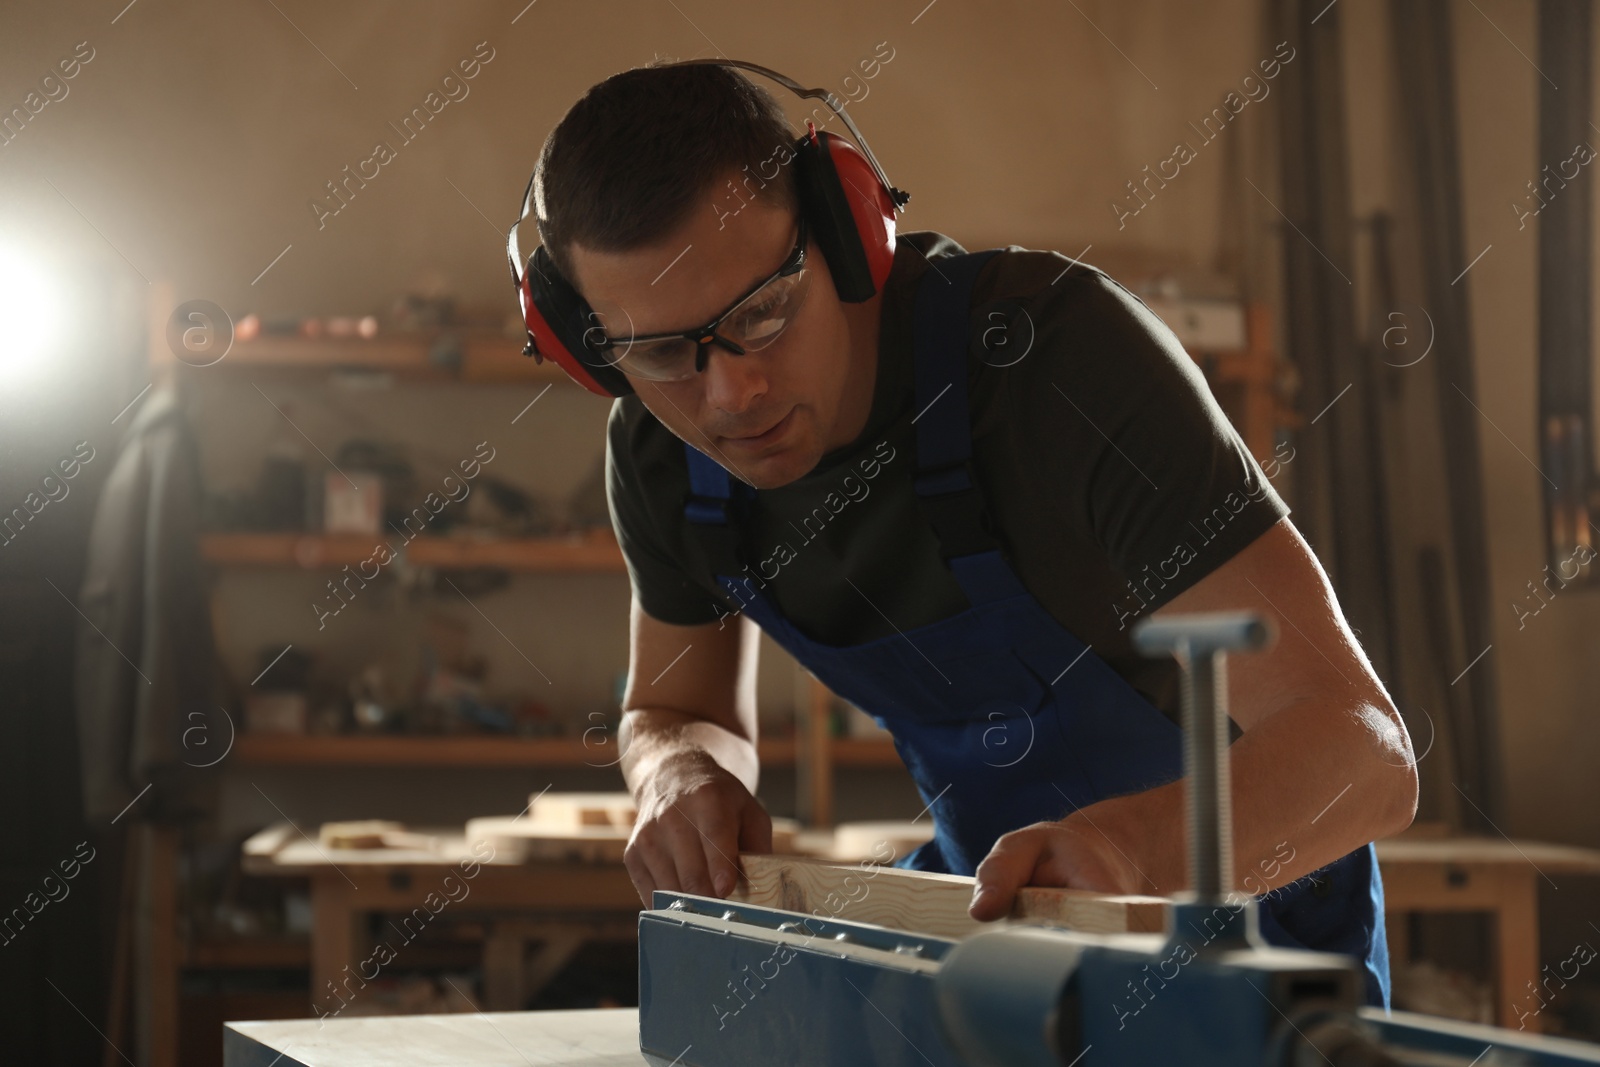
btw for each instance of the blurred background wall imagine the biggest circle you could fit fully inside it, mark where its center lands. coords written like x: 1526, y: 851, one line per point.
x: 193, y: 142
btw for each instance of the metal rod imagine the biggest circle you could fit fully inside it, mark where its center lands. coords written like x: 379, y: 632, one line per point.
x: 1206, y: 765
x: 1202, y: 642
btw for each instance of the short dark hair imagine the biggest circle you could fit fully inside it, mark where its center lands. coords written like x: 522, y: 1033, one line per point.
x: 634, y: 156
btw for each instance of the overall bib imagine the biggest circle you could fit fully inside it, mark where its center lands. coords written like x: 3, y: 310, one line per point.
x: 1004, y: 717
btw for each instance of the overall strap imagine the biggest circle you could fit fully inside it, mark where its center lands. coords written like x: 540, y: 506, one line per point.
x: 715, y: 509
x: 945, y: 485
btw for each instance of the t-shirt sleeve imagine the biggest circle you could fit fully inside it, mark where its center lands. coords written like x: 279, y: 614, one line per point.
x: 660, y: 582
x: 1130, y: 436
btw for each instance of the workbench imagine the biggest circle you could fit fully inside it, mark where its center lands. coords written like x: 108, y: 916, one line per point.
x: 559, y: 905
x: 606, y: 1037
x: 1480, y: 874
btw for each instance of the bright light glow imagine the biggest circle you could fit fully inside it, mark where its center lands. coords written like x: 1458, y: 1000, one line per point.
x: 30, y: 316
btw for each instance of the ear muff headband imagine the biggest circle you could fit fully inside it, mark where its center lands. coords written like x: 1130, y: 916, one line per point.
x: 848, y: 202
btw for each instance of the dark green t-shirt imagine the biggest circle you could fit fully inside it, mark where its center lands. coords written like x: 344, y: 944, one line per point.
x: 1112, y: 478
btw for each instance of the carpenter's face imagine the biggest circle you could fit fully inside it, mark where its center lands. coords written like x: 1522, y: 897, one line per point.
x: 767, y: 416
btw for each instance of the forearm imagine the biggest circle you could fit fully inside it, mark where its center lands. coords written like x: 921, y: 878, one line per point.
x: 1310, y: 783
x: 651, y: 738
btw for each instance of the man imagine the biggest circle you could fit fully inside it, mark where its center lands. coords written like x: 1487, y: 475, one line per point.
x: 988, y: 628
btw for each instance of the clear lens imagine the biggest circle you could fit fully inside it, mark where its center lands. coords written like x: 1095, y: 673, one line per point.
x: 758, y: 321
x: 753, y: 325
x: 668, y: 360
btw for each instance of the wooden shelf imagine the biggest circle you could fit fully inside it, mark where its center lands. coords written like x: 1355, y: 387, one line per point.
x: 590, y: 553
x: 490, y: 750
x: 864, y: 752
x: 398, y: 750
x: 484, y: 358
x: 249, y: 952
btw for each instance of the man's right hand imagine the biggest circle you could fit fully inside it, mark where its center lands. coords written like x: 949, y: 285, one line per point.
x: 694, y: 819
x: 689, y: 754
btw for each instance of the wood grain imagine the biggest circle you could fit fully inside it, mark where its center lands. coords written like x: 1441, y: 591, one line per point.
x: 918, y: 902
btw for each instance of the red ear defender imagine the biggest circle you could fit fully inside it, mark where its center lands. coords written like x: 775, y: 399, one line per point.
x: 558, y: 318
x: 844, y: 195
x: 851, y: 212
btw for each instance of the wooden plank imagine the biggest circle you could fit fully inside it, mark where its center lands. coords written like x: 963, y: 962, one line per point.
x: 919, y: 902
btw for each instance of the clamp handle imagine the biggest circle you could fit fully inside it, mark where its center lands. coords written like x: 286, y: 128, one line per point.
x: 1203, y: 640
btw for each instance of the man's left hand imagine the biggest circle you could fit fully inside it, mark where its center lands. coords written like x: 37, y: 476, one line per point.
x: 1070, y: 853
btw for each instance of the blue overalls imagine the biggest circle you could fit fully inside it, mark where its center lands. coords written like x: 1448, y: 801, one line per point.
x: 1003, y: 717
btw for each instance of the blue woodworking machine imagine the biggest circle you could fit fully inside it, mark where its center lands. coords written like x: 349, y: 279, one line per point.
x: 733, y: 985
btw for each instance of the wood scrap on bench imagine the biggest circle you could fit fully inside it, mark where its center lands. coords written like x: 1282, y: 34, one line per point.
x: 373, y: 833
x: 577, y: 827
x: 581, y: 811
x: 517, y: 839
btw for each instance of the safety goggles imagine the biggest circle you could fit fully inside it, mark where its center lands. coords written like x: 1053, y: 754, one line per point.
x: 754, y: 321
